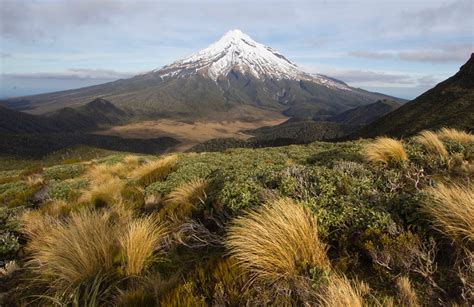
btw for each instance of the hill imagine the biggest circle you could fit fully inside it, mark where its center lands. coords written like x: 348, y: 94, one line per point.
x: 27, y: 135
x: 94, y: 115
x: 364, y: 115
x: 359, y: 223
x: 448, y: 104
x: 234, y: 72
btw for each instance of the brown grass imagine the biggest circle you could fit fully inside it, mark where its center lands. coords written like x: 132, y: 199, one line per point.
x: 155, y: 170
x: 452, y: 210
x: 433, y: 144
x: 340, y: 292
x: 69, y: 252
x: 279, y: 241
x: 196, y: 132
x: 406, y: 295
x: 57, y: 208
x: 183, y: 200
x: 105, y: 193
x: 456, y: 135
x: 385, y: 151
x: 142, y: 238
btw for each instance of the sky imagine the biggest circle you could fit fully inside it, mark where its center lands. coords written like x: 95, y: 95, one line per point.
x: 400, y: 48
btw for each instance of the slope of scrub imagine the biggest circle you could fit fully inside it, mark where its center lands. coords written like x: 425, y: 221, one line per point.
x: 341, y: 223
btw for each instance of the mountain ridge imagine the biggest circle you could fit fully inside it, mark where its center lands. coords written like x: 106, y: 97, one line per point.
x: 449, y: 104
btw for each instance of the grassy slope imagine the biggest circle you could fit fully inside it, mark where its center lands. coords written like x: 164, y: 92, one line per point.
x: 362, y: 211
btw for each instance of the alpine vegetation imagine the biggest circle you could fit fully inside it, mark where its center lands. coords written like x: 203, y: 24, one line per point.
x: 385, y: 151
x: 285, y: 242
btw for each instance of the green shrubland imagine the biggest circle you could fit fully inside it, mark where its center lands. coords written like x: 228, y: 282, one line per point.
x: 380, y: 222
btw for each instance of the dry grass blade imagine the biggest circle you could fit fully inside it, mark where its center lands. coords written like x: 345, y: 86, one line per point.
x: 340, y: 292
x: 278, y: 241
x: 142, y: 238
x: 155, y: 170
x: 433, y: 144
x: 385, y: 151
x: 452, y: 210
x: 456, y: 135
x: 406, y: 294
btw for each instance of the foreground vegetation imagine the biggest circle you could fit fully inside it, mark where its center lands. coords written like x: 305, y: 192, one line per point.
x: 379, y: 222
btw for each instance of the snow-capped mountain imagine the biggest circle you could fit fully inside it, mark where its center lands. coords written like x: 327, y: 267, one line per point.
x: 237, y: 51
x: 233, y: 77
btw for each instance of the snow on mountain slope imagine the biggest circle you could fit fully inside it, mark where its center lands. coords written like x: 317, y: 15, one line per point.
x: 237, y: 51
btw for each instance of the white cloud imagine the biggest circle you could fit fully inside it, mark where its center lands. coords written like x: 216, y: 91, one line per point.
x: 436, y: 54
x: 72, y: 74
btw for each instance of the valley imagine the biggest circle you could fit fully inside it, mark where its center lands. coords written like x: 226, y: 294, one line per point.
x: 189, y: 133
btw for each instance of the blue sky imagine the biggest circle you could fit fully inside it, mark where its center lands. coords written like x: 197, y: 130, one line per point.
x: 399, y: 47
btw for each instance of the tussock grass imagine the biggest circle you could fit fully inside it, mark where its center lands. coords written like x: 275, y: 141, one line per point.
x: 183, y: 199
x: 452, y: 210
x: 456, y: 135
x: 106, y: 193
x: 279, y: 241
x: 100, y: 173
x: 406, y: 294
x: 142, y: 238
x: 341, y: 292
x: 135, y: 297
x: 385, y: 150
x: 57, y: 208
x: 155, y: 170
x: 69, y: 252
x: 432, y: 144
x: 34, y: 223
x: 131, y: 161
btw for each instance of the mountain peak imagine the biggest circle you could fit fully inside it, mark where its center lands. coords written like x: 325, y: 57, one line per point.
x: 235, y: 34
x: 237, y: 51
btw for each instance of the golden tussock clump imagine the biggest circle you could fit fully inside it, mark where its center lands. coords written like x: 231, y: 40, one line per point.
x: 279, y: 241
x: 433, y: 144
x: 100, y: 173
x: 406, y: 294
x: 452, y: 210
x: 57, y: 208
x: 71, y: 251
x: 131, y: 161
x: 456, y: 135
x: 34, y: 223
x: 184, y: 198
x: 341, y: 292
x: 106, y: 193
x: 142, y: 238
x: 155, y: 170
x: 385, y: 150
